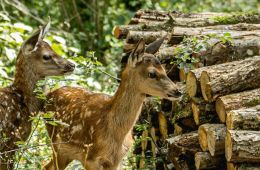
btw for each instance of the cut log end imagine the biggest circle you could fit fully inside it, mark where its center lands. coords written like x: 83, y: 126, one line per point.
x: 228, y: 146
x: 204, y: 79
x: 229, y: 121
x: 117, y: 32
x: 191, y: 84
x: 196, y: 112
x: 182, y: 75
x: 203, y: 138
x: 220, y: 109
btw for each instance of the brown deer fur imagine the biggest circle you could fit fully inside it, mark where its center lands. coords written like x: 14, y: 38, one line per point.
x: 100, y: 128
x: 35, y: 60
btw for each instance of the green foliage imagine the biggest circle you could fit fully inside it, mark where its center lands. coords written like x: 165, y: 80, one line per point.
x: 190, y: 47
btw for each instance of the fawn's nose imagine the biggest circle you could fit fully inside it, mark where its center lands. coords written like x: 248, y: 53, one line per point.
x: 69, y: 66
x: 175, y: 93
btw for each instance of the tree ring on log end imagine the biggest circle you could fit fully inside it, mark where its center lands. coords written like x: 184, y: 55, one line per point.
x: 228, y: 146
x: 229, y: 120
x: 209, y: 93
x: 204, y: 79
x: 220, y: 109
x: 196, y: 113
x: 191, y: 84
x: 203, y: 138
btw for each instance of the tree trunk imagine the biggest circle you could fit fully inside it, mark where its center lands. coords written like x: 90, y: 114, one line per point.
x: 216, y: 139
x: 242, y: 146
x: 187, y: 143
x: 245, y: 119
x: 224, y: 104
x: 203, y: 160
x: 230, y: 77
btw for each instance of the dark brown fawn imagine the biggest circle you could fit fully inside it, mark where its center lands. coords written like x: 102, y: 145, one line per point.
x: 100, y: 131
x: 35, y: 60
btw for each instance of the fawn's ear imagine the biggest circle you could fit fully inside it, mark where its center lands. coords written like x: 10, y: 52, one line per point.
x: 31, y: 43
x: 137, y: 53
x: 154, y: 46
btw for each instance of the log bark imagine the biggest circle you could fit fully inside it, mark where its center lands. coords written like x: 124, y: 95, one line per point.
x: 243, y: 166
x: 242, y: 146
x: 121, y: 31
x: 234, y: 31
x: 148, y: 36
x: 216, y: 139
x: 177, y: 14
x: 246, y: 119
x: 224, y: 104
x: 187, y: 143
x: 203, y: 160
x: 230, y: 78
x: 198, y: 20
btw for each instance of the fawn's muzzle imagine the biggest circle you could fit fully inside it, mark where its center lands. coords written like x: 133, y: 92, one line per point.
x: 176, y: 93
x: 69, y: 67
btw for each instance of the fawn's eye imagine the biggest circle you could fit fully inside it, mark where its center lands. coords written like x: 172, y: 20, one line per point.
x: 46, y: 57
x: 152, y: 75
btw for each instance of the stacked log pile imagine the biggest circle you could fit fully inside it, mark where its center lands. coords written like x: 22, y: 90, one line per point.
x: 216, y: 123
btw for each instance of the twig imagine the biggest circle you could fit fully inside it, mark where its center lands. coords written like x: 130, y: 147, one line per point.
x: 27, y: 143
x: 118, y: 79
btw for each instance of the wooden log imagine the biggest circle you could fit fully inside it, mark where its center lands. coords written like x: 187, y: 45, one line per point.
x: 177, y: 14
x: 199, y: 20
x: 243, y: 166
x: 242, y: 146
x: 187, y: 143
x: 216, y: 139
x: 163, y: 127
x: 246, y: 119
x: 203, y: 112
x: 148, y: 36
x: 182, y: 74
x: 203, y: 160
x: 212, y: 138
x: 202, y: 132
x: 193, y: 82
x: 230, y: 78
x: 234, y: 101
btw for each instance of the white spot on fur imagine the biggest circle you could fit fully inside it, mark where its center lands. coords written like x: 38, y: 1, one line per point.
x: 76, y: 129
x: 18, y: 115
x: 98, y: 121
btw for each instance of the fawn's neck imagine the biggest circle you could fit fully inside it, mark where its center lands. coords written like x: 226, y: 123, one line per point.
x: 25, y: 82
x: 126, y: 108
